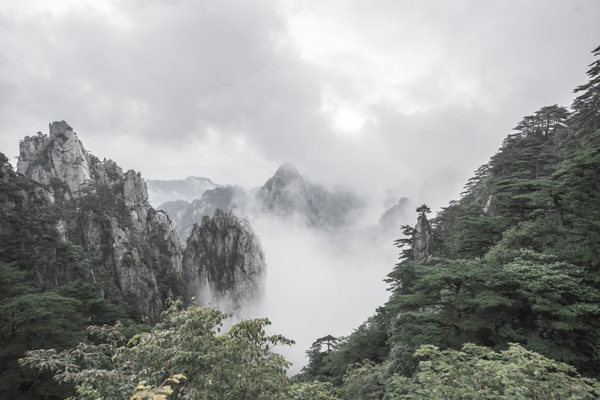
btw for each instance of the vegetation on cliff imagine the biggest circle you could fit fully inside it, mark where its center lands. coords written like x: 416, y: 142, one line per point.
x: 53, y: 284
x: 515, y: 260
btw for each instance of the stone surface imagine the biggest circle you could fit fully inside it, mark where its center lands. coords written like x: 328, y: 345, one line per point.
x: 184, y: 214
x: 57, y: 156
x: 285, y: 195
x: 61, y: 161
x: 224, y: 262
x: 422, y: 239
x: 134, y: 277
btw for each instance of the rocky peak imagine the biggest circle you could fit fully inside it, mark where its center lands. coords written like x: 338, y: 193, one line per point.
x: 422, y: 239
x: 57, y: 157
x: 184, y: 214
x: 285, y: 194
x: 60, y: 161
x: 223, y: 262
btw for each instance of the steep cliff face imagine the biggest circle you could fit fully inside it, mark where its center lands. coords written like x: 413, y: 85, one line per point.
x: 223, y: 262
x: 109, y: 214
x: 184, y: 215
x: 57, y: 157
x: 422, y: 239
x: 285, y: 195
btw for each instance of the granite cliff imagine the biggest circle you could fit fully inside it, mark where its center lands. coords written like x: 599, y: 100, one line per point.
x: 130, y: 246
x: 185, y: 214
x: 285, y: 195
x: 108, y: 214
x: 223, y: 262
x: 422, y: 247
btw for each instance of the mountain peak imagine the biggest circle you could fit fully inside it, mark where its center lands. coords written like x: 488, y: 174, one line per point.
x: 287, y: 167
x: 59, y: 128
x: 285, y: 194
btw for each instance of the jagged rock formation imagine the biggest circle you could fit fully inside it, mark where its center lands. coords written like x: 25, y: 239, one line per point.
x: 223, y: 262
x: 422, y: 239
x: 184, y: 215
x: 188, y: 189
x: 59, y: 157
x: 285, y: 195
x: 338, y: 206
x: 110, y: 213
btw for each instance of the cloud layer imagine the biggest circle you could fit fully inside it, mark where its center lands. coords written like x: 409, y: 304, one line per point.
x: 378, y: 95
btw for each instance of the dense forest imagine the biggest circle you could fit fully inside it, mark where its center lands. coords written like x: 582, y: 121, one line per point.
x: 496, y: 297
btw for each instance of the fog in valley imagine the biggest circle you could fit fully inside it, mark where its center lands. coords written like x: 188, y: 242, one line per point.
x: 320, y: 280
x: 317, y: 287
x: 378, y: 101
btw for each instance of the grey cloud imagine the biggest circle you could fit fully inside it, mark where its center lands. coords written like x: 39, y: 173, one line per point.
x: 178, y: 72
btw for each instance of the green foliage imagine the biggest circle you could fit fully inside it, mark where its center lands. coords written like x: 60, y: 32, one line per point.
x: 104, y: 202
x: 312, y: 391
x: 587, y: 117
x: 329, y: 358
x: 423, y: 209
x: 517, y: 255
x: 405, y: 243
x: 549, y: 306
x: 237, y: 364
x: 163, y: 392
x: 480, y: 373
x: 361, y: 382
x: 315, y: 368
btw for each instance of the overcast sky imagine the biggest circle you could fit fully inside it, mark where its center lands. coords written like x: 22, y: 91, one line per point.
x: 376, y: 94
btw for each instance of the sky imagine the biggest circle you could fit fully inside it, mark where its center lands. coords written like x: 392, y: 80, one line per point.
x: 380, y: 95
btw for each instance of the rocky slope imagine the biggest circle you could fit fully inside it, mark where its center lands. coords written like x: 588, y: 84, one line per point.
x: 184, y: 214
x: 223, y: 262
x: 285, y: 195
x: 422, y: 247
x: 109, y: 215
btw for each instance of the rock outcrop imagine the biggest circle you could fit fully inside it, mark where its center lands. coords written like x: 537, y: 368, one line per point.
x: 422, y: 239
x: 184, y: 215
x: 285, y: 195
x: 57, y: 158
x: 224, y: 263
x: 110, y: 213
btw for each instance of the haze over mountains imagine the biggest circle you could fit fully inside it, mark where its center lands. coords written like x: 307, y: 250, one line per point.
x: 187, y: 189
x: 215, y: 242
x: 286, y: 195
x: 132, y: 241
